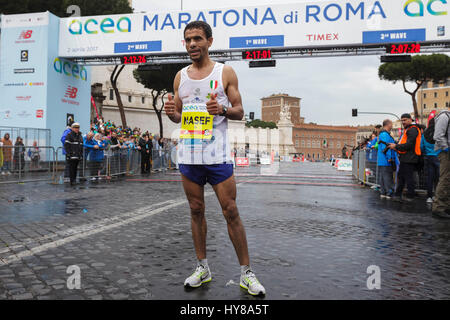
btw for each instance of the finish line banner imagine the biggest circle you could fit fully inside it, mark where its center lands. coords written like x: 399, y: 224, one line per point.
x: 313, y: 24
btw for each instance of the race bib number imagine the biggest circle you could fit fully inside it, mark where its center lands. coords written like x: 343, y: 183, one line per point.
x: 196, y: 123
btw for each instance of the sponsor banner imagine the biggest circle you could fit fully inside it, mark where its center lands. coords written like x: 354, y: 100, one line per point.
x: 24, y: 20
x: 242, y: 162
x: 265, y: 160
x: 344, y: 164
x: 23, y: 85
x: 304, y: 25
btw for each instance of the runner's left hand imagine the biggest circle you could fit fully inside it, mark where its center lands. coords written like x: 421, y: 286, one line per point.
x: 213, y: 107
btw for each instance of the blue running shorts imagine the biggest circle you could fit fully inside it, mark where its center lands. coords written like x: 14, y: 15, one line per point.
x: 211, y: 173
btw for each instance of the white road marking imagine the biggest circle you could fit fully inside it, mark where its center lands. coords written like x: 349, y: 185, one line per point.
x: 87, y: 230
x: 137, y: 215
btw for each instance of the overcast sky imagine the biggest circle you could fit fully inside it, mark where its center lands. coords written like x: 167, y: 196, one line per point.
x: 329, y: 87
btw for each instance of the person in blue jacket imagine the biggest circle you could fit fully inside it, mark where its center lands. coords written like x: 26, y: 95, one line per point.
x: 94, y: 146
x: 431, y: 163
x: 386, y: 161
x: 63, y: 141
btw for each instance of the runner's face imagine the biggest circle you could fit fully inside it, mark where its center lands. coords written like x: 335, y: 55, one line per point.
x: 196, y: 44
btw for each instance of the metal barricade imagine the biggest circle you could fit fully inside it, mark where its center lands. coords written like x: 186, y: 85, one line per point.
x: 20, y: 163
x: 158, y: 160
x: 362, y: 166
x: 29, y: 135
x: 355, y: 164
x: 366, y: 170
x: 371, y: 168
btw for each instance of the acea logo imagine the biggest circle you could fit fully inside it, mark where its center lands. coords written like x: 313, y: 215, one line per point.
x: 416, y: 8
x: 107, y: 25
x: 70, y: 69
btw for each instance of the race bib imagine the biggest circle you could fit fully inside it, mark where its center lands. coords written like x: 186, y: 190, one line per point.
x: 196, y: 123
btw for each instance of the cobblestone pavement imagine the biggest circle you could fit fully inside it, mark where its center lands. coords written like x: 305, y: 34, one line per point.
x: 312, y: 233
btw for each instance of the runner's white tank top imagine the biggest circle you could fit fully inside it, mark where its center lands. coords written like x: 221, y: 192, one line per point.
x: 195, y: 93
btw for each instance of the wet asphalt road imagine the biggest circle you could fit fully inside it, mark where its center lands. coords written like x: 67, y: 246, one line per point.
x: 312, y: 233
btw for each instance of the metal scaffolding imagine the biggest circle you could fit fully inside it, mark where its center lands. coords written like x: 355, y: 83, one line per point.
x: 277, y: 53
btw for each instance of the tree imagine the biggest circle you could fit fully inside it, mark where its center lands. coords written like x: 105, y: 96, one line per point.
x: 261, y: 124
x: 113, y: 78
x: 59, y: 7
x: 160, y: 82
x: 422, y: 68
x: 98, y: 7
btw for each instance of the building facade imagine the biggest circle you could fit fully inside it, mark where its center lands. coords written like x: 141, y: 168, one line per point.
x: 433, y: 96
x: 316, y: 142
x: 271, y: 108
x: 321, y: 142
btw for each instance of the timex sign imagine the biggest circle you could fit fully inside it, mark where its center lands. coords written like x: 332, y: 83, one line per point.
x: 24, y: 55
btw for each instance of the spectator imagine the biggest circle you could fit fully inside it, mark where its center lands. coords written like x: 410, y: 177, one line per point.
x: 431, y: 160
x: 7, y: 154
x: 115, y: 144
x: 386, y: 161
x: 146, y: 148
x: 19, y: 155
x: 89, y: 146
x: 74, y: 151
x: 35, y: 155
x: 373, y: 141
x: 1, y: 155
x: 63, y: 141
x: 409, y: 151
x: 97, y: 157
x: 441, y: 136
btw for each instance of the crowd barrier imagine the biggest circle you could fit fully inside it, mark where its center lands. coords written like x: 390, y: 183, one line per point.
x: 365, y: 169
x: 26, y: 163
x: 29, y: 135
x: 20, y: 164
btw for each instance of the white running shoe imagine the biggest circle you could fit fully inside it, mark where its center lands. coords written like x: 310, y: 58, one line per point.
x: 201, y: 275
x: 251, y: 284
x: 429, y: 200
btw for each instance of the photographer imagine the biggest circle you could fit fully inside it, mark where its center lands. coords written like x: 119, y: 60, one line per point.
x: 386, y: 161
x: 409, y: 151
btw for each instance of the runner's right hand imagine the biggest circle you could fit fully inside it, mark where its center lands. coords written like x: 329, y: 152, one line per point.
x: 169, y: 106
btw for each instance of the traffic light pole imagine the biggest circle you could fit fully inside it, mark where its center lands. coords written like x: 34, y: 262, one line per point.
x: 392, y: 114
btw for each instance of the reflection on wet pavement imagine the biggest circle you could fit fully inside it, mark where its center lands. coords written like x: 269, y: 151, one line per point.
x: 306, y: 241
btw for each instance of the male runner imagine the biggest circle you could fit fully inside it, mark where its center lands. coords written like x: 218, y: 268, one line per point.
x: 203, y: 92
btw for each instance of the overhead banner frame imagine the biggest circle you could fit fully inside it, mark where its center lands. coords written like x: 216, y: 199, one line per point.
x: 284, y: 26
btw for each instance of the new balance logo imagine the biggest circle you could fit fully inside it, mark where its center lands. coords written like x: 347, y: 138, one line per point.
x: 26, y: 34
x: 71, y: 92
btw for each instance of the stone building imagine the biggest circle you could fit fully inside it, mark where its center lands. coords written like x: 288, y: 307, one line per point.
x: 316, y: 141
x: 271, y: 108
x: 433, y: 96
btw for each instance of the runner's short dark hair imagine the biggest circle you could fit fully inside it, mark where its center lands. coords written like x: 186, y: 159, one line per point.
x: 385, y: 122
x: 199, y: 25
